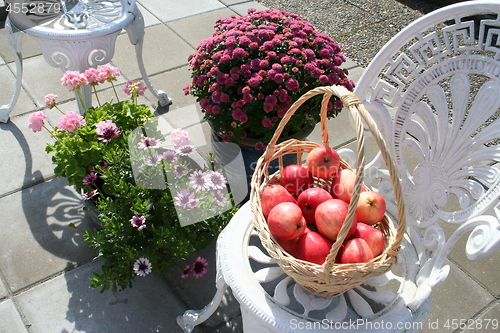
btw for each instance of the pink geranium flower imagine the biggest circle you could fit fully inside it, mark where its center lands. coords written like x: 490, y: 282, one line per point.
x: 35, y: 121
x: 180, y: 138
x: 92, y: 76
x: 73, y: 80
x: 50, y: 100
x: 135, y: 88
x: 108, y: 73
x: 71, y: 121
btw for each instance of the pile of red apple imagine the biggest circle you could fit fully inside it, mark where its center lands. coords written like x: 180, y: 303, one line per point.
x: 306, y: 219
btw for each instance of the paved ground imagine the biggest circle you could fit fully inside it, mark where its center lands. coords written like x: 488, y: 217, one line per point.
x: 45, y: 268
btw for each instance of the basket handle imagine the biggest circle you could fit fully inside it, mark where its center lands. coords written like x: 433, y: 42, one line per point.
x: 358, y: 112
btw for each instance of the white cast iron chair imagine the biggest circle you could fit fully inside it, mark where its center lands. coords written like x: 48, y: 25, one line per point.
x: 76, y: 35
x: 434, y: 90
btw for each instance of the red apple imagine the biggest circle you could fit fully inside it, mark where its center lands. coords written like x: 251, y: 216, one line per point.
x: 296, y: 178
x: 356, y: 250
x: 374, y: 238
x: 371, y: 207
x: 343, y: 185
x: 330, y: 216
x: 272, y: 195
x: 309, y: 200
x: 323, y: 162
x: 285, y: 221
x: 289, y: 246
x: 313, y: 247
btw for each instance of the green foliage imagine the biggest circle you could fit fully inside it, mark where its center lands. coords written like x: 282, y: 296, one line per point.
x: 163, y: 241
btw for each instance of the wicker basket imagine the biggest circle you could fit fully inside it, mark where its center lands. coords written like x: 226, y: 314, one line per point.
x: 330, y: 279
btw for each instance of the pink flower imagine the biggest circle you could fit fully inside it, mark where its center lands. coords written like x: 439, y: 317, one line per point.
x: 138, y: 222
x: 186, y: 200
x: 73, y: 80
x: 259, y: 146
x: 50, y: 100
x: 199, y: 267
x: 92, y: 76
x: 71, y: 121
x: 142, y: 267
x: 108, y: 73
x: 107, y: 130
x: 266, y: 122
x: 133, y: 88
x: 89, y: 179
x: 180, y: 138
x: 149, y: 143
x: 186, y: 272
x: 35, y: 121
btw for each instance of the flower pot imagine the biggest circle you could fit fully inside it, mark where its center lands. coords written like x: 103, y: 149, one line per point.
x: 240, y: 159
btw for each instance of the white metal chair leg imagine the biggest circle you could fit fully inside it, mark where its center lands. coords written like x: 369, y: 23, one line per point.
x: 191, y: 318
x: 136, y: 35
x: 14, y: 39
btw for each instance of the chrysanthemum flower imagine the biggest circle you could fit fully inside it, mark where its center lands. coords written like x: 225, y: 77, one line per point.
x: 142, y: 267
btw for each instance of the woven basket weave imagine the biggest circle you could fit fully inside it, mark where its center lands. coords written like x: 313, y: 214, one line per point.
x: 330, y: 279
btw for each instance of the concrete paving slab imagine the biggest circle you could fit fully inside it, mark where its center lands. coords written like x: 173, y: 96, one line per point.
x: 162, y: 50
x: 169, y: 10
x: 242, y: 8
x: 24, y: 102
x: 29, y: 48
x: 23, y: 157
x: 41, y: 243
x: 199, y: 292
x: 67, y: 304
x: 3, y: 290
x: 149, y: 19
x: 486, y: 322
x: 172, y: 82
x: 11, y: 321
x: 195, y: 28
x: 458, y: 297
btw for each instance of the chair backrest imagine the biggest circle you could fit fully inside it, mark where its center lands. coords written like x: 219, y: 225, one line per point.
x: 434, y: 90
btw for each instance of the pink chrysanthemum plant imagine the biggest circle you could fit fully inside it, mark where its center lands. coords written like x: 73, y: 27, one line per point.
x: 151, y: 218
x: 252, y: 69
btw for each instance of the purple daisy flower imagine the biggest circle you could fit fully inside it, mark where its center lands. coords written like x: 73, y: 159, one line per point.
x: 169, y: 156
x: 142, y: 267
x: 186, y: 200
x: 107, y: 130
x: 154, y: 160
x: 90, y: 194
x: 90, y: 178
x: 200, y: 180
x: 138, y: 222
x: 199, y: 267
x: 186, y: 272
x: 185, y: 150
x: 219, y: 198
x: 179, y: 170
x: 149, y: 143
x: 217, y: 180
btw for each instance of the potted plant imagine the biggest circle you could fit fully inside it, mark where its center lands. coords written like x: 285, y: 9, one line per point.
x: 158, y: 203
x: 252, y: 69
